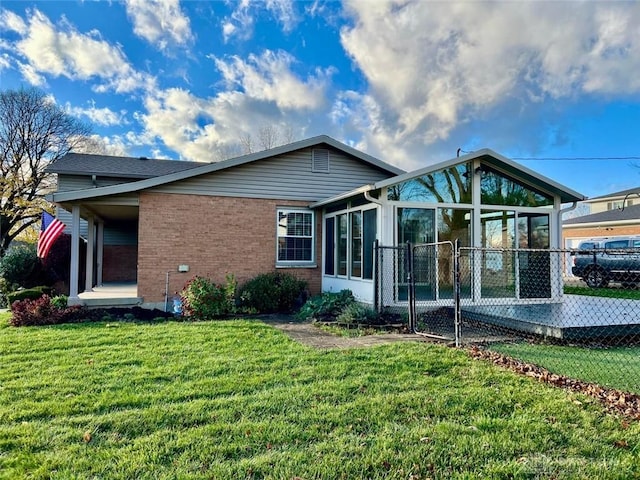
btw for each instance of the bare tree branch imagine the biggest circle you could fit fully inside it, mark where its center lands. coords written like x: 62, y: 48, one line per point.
x: 34, y: 132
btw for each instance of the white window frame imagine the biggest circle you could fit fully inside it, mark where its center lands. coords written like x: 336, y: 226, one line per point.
x: 296, y: 263
x: 347, y: 212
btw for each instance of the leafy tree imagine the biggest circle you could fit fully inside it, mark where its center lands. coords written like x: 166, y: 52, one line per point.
x: 34, y: 132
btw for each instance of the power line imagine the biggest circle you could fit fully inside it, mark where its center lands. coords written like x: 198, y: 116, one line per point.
x: 577, y: 158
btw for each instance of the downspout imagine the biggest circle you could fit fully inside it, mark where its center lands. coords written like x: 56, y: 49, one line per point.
x: 166, y: 293
x: 563, y: 246
x: 369, y: 198
x: 560, y: 214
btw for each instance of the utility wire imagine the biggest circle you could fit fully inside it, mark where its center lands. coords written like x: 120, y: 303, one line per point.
x: 577, y: 158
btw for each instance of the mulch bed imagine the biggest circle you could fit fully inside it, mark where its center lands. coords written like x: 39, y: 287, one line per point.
x: 124, y: 314
x: 615, y: 401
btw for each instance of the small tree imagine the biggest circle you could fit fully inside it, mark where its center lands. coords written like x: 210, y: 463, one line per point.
x: 34, y: 132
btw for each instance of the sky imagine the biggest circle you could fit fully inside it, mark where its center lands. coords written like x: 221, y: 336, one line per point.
x: 549, y: 84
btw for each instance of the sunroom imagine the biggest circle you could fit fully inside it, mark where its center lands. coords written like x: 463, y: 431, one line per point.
x: 503, y: 218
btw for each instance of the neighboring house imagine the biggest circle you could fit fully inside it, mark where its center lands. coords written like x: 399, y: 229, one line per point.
x: 313, y: 208
x: 612, y: 215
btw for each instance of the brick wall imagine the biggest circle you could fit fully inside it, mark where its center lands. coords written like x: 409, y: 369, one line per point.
x: 213, y: 236
x: 119, y: 263
x: 611, y: 231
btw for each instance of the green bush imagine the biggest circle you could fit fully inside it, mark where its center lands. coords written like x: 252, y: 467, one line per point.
x: 20, y: 267
x: 4, y: 291
x: 204, y: 299
x: 59, y: 301
x: 327, y: 306
x: 28, y: 293
x: 356, y: 313
x: 273, y: 292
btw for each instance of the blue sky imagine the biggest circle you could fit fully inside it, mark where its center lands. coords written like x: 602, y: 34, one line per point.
x: 409, y: 82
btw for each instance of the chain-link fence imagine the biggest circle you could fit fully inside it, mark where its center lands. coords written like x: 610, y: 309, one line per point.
x: 574, y: 313
x: 391, y: 294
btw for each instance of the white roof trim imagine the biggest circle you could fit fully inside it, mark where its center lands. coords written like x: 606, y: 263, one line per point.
x: 342, y: 196
x: 544, y: 182
x: 500, y: 161
x: 214, y: 167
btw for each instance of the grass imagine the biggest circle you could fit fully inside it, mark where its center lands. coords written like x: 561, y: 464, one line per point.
x: 346, y: 331
x: 238, y: 399
x: 612, y: 367
x: 603, y: 292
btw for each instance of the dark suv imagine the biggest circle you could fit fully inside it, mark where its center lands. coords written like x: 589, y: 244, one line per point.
x: 612, y: 260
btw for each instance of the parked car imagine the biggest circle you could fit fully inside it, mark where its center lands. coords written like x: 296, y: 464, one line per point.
x: 599, y: 262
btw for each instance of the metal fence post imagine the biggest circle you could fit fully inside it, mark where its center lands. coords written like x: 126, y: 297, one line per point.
x: 376, y: 283
x: 410, y: 288
x: 456, y: 291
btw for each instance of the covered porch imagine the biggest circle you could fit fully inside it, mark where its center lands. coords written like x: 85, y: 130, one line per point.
x: 111, y: 295
x: 109, y: 228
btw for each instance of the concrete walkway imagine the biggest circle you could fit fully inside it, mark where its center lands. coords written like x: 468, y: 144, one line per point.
x: 312, y: 336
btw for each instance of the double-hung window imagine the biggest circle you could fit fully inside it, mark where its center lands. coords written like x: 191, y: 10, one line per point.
x: 295, y: 237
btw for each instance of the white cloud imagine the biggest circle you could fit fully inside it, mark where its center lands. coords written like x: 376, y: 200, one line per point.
x: 160, y: 22
x: 241, y: 22
x: 63, y: 51
x: 12, y: 22
x: 435, y: 68
x: 100, y: 116
x: 103, y: 145
x: 269, y: 77
x: 31, y: 75
x: 210, y: 129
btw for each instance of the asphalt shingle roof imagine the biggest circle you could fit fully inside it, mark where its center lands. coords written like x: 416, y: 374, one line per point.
x: 631, y: 212
x: 621, y: 193
x: 110, y: 166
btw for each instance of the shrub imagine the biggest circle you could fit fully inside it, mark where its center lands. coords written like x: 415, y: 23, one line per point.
x: 4, y: 291
x: 273, y: 292
x: 20, y: 267
x: 356, y: 313
x: 60, y: 301
x: 28, y: 293
x: 203, y: 299
x: 41, y: 311
x: 327, y: 306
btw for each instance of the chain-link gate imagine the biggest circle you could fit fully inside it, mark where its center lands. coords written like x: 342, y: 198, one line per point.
x: 391, y: 291
x: 432, y: 290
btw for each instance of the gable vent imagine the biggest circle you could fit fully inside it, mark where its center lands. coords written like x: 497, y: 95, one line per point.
x: 320, y: 160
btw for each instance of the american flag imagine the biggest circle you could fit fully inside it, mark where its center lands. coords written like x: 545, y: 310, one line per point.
x: 50, y: 230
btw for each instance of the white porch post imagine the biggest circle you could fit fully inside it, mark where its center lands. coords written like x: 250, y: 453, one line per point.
x: 88, y: 283
x: 475, y: 262
x: 99, y: 252
x: 75, y: 252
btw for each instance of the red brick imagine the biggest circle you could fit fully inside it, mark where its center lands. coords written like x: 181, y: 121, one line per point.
x: 214, y: 236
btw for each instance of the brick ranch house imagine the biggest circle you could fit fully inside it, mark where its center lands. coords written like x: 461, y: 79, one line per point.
x: 312, y: 208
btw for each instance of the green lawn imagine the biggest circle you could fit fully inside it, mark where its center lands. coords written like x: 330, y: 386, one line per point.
x: 238, y: 399
x: 612, y: 367
x: 610, y: 292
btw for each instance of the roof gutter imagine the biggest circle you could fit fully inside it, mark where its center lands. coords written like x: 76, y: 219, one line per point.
x: 343, y: 196
x: 371, y: 199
